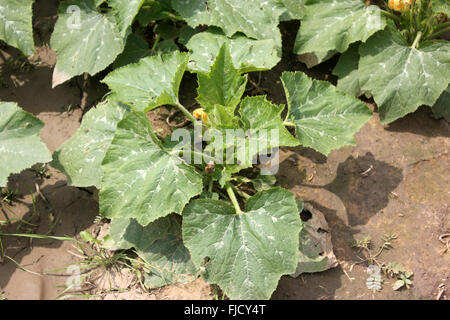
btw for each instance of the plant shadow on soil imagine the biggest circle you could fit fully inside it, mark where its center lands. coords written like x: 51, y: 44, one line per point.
x: 65, y: 212
x: 361, y: 196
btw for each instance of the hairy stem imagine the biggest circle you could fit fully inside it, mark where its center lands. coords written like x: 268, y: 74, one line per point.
x: 289, y: 124
x: 244, y: 195
x: 233, y: 198
x: 390, y: 15
x: 416, y: 40
x: 185, y: 111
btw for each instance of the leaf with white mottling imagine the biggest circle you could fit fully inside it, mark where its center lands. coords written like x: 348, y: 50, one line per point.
x: 20, y: 145
x: 80, y: 157
x: 152, y: 82
x: 325, y: 118
x: 90, y: 46
x: 142, y: 180
x: 295, y: 9
x: 256, y: 19
x: 16, y: 27
x: 245, y: 254
x: 402, y: 78
x: 125, y: 12
x: 334, y: 25
x: 248, y: 54
x: 159, y: 244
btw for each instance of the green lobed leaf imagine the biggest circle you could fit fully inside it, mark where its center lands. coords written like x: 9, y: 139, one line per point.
x: 20, y: 145
x: 125, y: 11
x: 325, y: 118
x: 223, y: 85
x: 248, y: 54
x: 442, y: 106
x: 16, y: 27
x: 159, y: 244
x: 402, y: 78
x: 252, y: 17
x: 334, y: 25
x: 152, y: 82
x: 262, y: 129
x: 295, y: 9
x: 347, y: 71
x: 80, y: 157
x: 245, y: 254
x: 88, y: 45
x: 141, y: 180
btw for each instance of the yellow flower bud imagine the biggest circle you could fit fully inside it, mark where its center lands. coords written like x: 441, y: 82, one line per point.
x: 400, y: 5
x: 201, y: 114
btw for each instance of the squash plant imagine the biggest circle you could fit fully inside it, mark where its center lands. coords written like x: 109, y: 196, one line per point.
x: 184, y: 211
x: 390, y: 52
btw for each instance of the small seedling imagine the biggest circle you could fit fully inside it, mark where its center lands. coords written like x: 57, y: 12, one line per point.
x: 396, y: 270
x: 9, y: 196
x: 41, y: 171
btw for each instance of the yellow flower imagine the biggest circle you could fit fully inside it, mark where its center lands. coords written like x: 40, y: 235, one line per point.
x: 201, y: 114
x: 400, y: 5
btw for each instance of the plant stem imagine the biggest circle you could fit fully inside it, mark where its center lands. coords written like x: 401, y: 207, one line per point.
x: 233, y: 198
x: 416, y: 40
x: 391, y: 15
x: 158, y: 38
x: 210, y: 186
x: 289, y: 124
x: 242, y: 193
x: 185, y: 111
x: 438, y: 33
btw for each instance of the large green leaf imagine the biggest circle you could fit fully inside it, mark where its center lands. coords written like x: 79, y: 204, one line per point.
x: 125, y: 12
x: 402, y: 78
x: 16, y: 27
x: 80, y: 157
x: 245, y: 254
x: 141, y: 180
x: 256, y: 19
x: 88, y: 45
x: 334, y: 25
x: 159, y: 244
x: 248, y: 54
x: 347, y: 71
x: 223, y: 85
x: 152, y: 82
x: 325, y: 118
x: 295, y: 9
x: 20, y: 145
x: 442, y: 106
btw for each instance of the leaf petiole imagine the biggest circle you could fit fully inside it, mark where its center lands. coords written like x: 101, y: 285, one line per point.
x: 185, y: 111
x: 233, y: 198
x: 416, y: 40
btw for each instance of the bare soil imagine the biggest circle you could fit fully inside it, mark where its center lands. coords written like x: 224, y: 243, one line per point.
x: 394, y: 181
